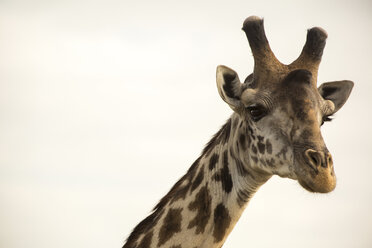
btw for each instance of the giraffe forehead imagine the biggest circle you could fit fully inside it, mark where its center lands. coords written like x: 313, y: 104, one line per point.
x: 295, y: 89
x: 304, y: 102
x: 300, y: 98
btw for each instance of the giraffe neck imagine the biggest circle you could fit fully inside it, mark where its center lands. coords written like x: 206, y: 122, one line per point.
x: 204, y: 205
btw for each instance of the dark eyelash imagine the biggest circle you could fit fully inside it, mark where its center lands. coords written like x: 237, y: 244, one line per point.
x: 327, y: 118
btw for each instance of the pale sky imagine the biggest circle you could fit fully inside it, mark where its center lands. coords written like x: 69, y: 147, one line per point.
x: 104, y: 105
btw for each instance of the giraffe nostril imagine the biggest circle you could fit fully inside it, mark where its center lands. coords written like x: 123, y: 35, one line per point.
x: 313, y: 158
x: 329, y: 160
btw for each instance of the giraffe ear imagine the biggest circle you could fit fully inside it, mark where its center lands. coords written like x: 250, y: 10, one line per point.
x: 337, y: 92
x: 229, y: 86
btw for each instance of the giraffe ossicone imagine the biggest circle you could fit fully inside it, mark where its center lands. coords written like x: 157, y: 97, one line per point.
x: 274, y: 130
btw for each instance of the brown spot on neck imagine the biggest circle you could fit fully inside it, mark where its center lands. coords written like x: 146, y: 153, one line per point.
x: 201, y: 204
x: 146, y: 241
x: 222, y: 221
x: 143, y: 227
x: 223, y: 175
x: 198, y: 179
x: 213, y: 161
x: 171, y: 225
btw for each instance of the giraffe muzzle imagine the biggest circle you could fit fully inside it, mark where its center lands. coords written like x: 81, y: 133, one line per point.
x: 320, y: 176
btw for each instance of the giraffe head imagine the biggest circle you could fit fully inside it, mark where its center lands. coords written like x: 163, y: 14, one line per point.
x: 281, y: 110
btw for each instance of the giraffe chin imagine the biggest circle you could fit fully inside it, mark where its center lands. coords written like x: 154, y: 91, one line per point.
x: 323, y: 182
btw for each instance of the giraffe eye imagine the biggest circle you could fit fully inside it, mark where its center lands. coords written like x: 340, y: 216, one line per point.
x: 256, y: 111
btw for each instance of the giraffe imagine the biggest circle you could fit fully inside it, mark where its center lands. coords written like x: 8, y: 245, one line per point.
x: 274, y: 130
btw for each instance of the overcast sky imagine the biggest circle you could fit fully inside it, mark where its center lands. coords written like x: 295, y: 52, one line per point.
x: 105, y: 104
